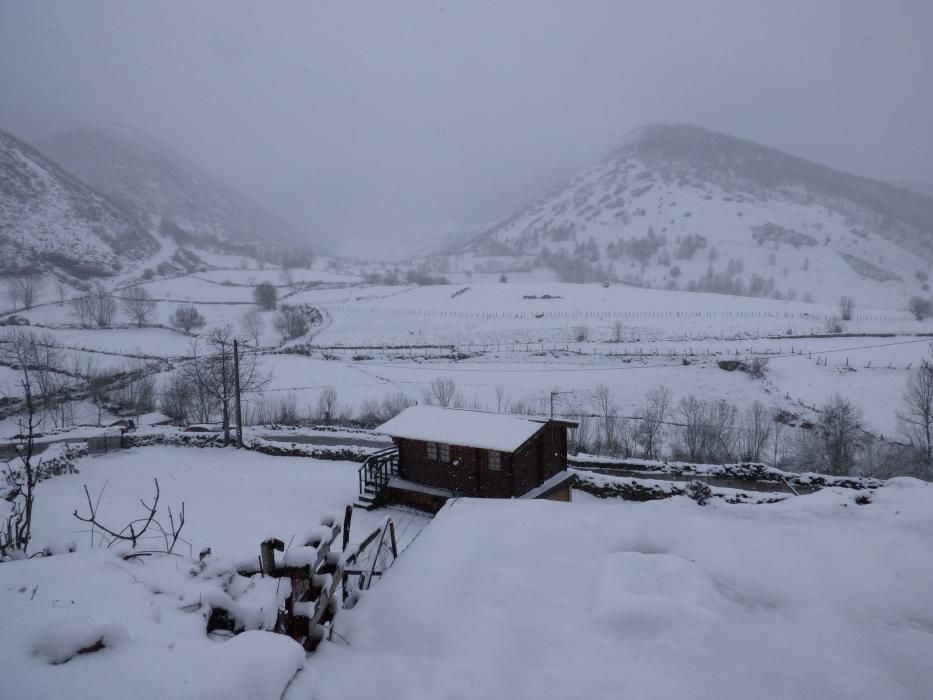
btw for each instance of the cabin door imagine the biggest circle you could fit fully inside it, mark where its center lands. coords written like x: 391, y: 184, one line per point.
x: 482, y: 465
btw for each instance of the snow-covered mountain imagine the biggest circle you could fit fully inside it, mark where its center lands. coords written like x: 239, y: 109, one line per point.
x: 154, y: 181
x: 681, y: 207
x: 51, y: 220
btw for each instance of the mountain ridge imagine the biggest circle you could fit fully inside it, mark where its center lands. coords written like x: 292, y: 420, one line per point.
x: 643, y: 213
x: 49, y: 219
x: 159, y: 184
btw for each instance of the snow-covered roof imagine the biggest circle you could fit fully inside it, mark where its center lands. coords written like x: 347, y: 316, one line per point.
x: 490, y: 431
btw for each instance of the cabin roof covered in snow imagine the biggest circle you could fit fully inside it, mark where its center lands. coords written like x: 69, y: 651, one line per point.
x: 490, y: 431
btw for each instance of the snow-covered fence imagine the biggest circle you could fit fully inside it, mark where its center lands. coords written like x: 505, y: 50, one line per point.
x: 635, y: 489
x: 348, y: 453
x: 747, y: 474
x: 611, y: 314
x: 316, y: 571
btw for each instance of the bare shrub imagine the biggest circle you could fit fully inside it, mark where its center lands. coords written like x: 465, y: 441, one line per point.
x: 607, y: 432
x: 374, y: 412
x: 618, y: 331
x: 443, y: 392
x: 186, y: 319
x: 24, y: 288
x: 291, y: 323
x: 136, y: 530
x: 699, y: 491
x: 581, y: 333
x: 758, y: 367
x: 138, y: 305
x: 919, y: 307
x: 834, y: 324
x: 253, y: 326
x: 266, y: 296
x: 840, y: 436
x: 136, y: 394
x: 327, y: 405
x: 756, y: 431
x: 103, y: 304
x: 846, y: 307
x: 651, y: 425
x: 177, y: 398
x: 581, y: 437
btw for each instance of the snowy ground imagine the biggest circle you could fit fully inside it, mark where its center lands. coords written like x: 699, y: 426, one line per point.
x: 530, y: 346
x: 816, y: 597
x: 149, y: 615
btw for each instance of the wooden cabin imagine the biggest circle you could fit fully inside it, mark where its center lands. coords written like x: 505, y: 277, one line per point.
x: 446, y: 452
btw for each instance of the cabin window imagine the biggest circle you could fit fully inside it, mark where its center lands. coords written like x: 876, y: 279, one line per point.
x: 495, y: 461
x: 438, y: 452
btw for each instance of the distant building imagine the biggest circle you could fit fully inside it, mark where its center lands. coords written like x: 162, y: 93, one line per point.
x: 443, y: 452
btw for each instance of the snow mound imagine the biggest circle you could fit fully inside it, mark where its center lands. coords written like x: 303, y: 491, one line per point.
x: 67, y: 639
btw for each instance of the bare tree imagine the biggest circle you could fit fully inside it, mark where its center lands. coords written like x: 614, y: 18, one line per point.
x: 608, y: 419
x: 39, y: 358
x: 841, y: 435
x: 693, y: 431
x: 266, y: 296
x: 778, y: 438
x: 500, y: 398
x: 618, y: 331
x: 919, y: 307
x: 582, y: 436
x: 138, y: 305
x: 17, y: 530
x: 757, y: 431
x: 291, y: 323
x: 187, y: 318
x: 846, y: 307
x: 253, y: 326
x: 103, y: 305
x: 213, y: 371
x: 178, y: 398
x: 136, y: 391
x: 23, y: 288
x: 83, y: 308
x: 653, y: 416
x: 722, y: 417
x: 443, y: 392
x: 327, y: 405
x: 916, y: 418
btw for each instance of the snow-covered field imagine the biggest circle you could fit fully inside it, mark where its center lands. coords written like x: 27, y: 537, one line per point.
x: 148, y: 611
x: 816, y: 596
x: 525, y: 336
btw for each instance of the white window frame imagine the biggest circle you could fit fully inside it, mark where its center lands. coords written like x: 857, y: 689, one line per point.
x: 431, y: 451
x: 443, y: 452
x: 495, y: 461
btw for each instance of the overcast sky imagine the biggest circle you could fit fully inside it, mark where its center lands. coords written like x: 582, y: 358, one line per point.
x: 359, y: 117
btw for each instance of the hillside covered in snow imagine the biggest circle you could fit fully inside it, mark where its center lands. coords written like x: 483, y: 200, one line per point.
x: 49, y: 219
x: 160, y: 185
x: 680, y: 207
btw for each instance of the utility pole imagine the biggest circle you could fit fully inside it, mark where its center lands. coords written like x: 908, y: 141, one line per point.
x: 236, y: 380
x: 553, y: 394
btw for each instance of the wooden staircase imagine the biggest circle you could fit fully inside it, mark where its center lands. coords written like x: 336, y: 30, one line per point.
x: 374, y: 476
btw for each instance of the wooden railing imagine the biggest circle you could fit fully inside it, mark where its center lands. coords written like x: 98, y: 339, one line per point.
x: 377, y: 470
